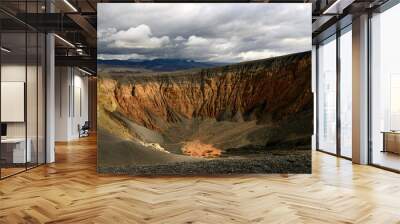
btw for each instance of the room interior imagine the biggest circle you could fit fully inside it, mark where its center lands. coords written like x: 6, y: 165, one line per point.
x: 49, y: 91
x: 22, y: 105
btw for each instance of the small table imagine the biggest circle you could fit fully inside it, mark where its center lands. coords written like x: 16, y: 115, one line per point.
x: 391, y: 141
x: 16, y: 154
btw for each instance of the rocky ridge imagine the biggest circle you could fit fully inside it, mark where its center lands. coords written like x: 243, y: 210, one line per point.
x: 269, y: 90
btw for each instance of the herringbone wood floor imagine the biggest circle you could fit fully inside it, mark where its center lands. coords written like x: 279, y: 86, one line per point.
x: 70, y: 191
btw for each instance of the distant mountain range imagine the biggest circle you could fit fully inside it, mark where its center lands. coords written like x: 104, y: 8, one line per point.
x: 159, y: 64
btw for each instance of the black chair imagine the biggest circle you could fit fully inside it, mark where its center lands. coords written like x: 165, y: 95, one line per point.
x: 84, y: 130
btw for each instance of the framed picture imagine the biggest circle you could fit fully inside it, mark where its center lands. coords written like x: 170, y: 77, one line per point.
x: 201, y: 89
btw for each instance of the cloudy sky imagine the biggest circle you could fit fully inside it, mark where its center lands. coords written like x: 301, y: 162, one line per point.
x: 202, y: 32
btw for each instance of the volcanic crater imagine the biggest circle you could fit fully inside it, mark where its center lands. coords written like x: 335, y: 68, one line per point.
x: 244, y: 114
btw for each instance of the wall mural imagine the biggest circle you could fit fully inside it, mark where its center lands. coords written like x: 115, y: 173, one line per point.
x: 193, y: 89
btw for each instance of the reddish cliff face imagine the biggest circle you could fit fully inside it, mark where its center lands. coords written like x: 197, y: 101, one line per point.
x: 267, y: 90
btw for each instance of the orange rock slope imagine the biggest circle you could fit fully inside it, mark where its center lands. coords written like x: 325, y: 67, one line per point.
x: 264, y: 90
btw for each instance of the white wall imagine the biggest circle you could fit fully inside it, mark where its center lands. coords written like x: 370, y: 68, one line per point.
x: 80, y: 110
x: 71, y: 94
x: 62, y: 81
x: 16, y: 73
x: 33, y: 126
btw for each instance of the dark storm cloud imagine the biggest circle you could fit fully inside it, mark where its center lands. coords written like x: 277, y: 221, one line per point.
x: 203, y: 32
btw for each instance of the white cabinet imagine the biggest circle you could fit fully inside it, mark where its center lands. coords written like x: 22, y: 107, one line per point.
x: 19, y: 155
